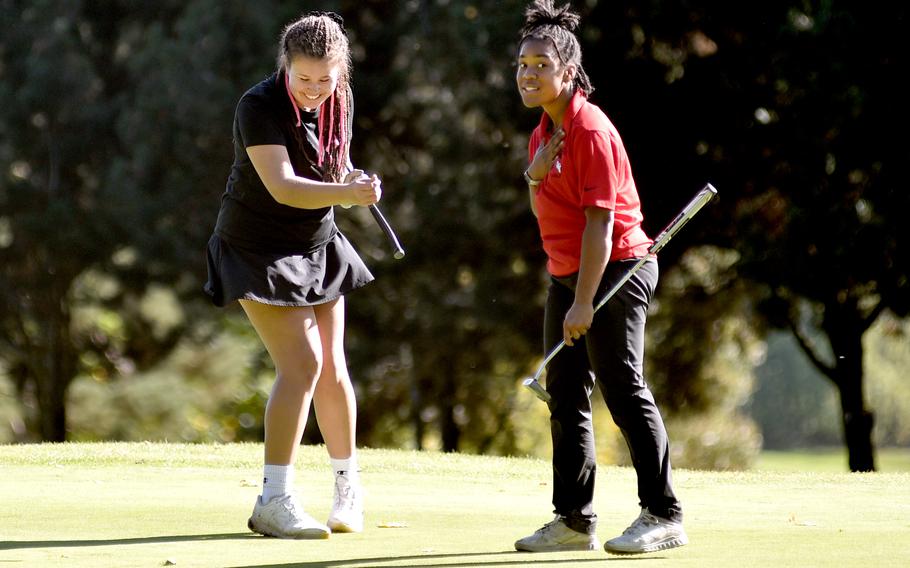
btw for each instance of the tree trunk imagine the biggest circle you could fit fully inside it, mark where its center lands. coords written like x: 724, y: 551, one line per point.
x: 417, y: 415
x: 450, y: 430
x: 56, y: 368
x: 52, y: 410
x: 845, y: 326
x: 858, y: 436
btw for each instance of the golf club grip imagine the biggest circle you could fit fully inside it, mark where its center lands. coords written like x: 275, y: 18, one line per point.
x: 701, y: 198
x: 397, y: 250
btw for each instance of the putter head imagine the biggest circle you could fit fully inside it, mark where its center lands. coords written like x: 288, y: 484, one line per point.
x: 538, y: 390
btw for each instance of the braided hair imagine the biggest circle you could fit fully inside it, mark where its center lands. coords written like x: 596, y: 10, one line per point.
x: 321, y: 35
x: 544, y: 21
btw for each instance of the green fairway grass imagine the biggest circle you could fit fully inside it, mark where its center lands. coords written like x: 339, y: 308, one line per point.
x: 147, y: 505
x: 831, y: 460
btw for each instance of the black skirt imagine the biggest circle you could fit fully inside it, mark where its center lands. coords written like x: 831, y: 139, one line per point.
x: 280, y: 279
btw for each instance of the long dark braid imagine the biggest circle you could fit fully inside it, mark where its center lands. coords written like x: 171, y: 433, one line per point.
x: 544, y: 21
x: 321, y: 35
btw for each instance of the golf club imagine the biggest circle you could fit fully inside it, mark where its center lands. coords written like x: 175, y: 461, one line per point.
x: 398, y: 251
x: 705, y: 195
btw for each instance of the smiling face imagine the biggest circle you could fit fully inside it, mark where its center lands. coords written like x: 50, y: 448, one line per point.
x: 312, y: 80
x: 542, y: 78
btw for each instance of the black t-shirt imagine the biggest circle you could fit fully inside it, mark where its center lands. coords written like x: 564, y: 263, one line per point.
x: 249, y: 215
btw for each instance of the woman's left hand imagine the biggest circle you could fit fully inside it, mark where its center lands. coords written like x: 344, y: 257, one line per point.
x: 355, y: 175
x: 577, y: 322
x: 367, y: 189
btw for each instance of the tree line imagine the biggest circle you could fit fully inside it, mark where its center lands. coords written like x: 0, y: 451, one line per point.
x: 116, y: 147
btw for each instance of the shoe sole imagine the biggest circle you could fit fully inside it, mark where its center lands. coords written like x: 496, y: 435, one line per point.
x: 308, y: 534
x: 559, y: 548
x: 338, y: 527
x: 654, y: 547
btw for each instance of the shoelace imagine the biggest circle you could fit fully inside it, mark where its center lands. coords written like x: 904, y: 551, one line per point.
x: 550, y: 525
x: 344, y: 495
x: 291, y: 506
x: 643, y: 520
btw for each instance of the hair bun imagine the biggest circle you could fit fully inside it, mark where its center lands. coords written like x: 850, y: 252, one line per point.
x: 334, y: 16
x: 544, y: 13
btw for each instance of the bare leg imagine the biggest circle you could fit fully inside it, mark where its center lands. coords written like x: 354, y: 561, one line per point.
x: 335, y: 403
x: 291, y: 336
x: 336, y: 411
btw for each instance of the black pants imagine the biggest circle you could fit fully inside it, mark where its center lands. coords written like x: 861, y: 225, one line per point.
x: 613, y: 349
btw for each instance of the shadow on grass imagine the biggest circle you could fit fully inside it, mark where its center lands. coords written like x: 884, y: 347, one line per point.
x: 457, y: 560
x: 461, y: 559
x: 19, y: 544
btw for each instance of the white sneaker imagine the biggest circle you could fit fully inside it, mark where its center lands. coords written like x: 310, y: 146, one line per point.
x: 347, y: 508
x: 283, y: 517
x: 648, y: 533
x: 556, y: 536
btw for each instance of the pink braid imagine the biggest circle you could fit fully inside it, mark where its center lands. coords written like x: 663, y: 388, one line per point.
x: 331, y: 122
x: 319, y: 125
x: 342, y: 116
x: 287, y: 86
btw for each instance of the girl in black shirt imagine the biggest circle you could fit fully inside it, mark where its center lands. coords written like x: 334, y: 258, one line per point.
x: 277, y: 251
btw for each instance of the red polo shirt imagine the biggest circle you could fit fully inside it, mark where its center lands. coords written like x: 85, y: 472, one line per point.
x: 592, y: 170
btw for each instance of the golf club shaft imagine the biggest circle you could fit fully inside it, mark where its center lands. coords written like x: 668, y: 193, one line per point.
x: 397, y: 250
x: 701, y: 198
x: 606, y: 298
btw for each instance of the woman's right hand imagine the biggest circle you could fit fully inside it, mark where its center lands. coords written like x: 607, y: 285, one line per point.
x: 545, y: 155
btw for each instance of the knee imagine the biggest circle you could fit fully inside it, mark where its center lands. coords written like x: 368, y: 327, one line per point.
x: 627, y: 403
x: 334, y: 370
x: 302, y: 373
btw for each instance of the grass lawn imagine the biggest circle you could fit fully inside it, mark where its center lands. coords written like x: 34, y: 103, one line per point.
x: 831, y: 460
x: 147, y: 505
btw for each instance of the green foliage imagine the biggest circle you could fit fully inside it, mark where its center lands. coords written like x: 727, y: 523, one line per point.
x: 702, y: 348
x: 196, y: 395
x: 113, y: 158
x: 797, y: 408
x: 442, y: 337
x: 887, y: 358
x: 783, y: 105
x: 116, y: 146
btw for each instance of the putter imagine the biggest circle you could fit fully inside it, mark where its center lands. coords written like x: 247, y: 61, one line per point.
x: 701, y: 198
x: 397, y: 251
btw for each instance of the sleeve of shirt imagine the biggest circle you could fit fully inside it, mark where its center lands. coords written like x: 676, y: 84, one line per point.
x: 257, y: 123
x: 597, y: 174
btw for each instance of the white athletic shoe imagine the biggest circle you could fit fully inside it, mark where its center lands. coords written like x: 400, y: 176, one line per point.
x: 556, y: 536
x: 648, y: 533
x: 347, y: 508
x: 283, y: 517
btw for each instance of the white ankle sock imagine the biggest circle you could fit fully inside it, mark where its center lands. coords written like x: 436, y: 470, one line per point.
x: 277, y: 480
x: 346, y: 467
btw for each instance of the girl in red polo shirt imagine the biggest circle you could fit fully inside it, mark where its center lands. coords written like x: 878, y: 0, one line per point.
x: 587, y: 207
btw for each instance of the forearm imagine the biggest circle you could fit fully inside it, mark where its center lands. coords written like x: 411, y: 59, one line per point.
x: 304, y: 193
x: 273, y: 165
x: 531, y: 192
x: 596, y: 247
